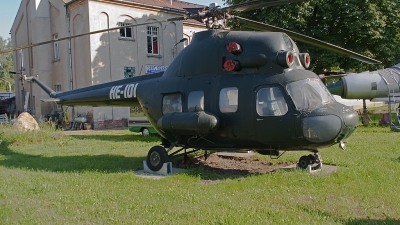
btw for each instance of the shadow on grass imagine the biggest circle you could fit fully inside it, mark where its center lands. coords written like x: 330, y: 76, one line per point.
x: 319, y: 213
x: 79, y: 163
x: 117, y: 138
x: 215, y: 174
x: 387, y: 221
x: 219, y: 167
x: 101, y: 163
x: 108, y: 163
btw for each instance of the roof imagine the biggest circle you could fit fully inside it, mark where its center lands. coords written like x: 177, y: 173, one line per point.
x: 175, y: 4
x: 181, y: 6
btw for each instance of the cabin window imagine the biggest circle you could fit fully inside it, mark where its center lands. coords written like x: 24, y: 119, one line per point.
x: 196, y: 101
x: 152, y: 40
x: 172, y: 103
x: 126, y: 32
x: 270, y: 102
x: 309, y: 94
x: 228, y: 100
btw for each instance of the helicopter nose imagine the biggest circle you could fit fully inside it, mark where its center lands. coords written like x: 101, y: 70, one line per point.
x: 320, y: 129
x: 350, y: 121
x: 327, y: 128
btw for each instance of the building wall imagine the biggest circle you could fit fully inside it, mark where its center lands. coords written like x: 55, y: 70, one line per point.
x: 31, y: 26
x: 90, y: 59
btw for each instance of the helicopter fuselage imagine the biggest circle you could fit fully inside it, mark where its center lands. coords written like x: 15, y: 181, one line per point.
x: 251, y: 124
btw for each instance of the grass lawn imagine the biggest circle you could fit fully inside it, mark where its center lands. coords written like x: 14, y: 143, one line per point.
x: 47, y: 177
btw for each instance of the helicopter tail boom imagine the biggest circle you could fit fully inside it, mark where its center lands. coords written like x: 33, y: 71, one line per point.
x: 45, y: 88
x: 115, y: 93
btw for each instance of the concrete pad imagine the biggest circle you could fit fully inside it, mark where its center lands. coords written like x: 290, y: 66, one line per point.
x: 166, y: 170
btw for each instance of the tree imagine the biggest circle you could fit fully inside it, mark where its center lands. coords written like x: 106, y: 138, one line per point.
x: 6, y: 65
x: 368, y: 27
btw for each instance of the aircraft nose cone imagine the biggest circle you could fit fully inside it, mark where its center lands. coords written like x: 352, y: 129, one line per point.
x: 337, y: 88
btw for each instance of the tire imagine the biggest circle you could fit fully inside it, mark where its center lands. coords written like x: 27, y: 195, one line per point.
x: 145, y: 131
x: 156, y: 157
x: 304, y: 161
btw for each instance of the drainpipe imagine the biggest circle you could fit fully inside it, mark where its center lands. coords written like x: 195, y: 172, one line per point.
x: 70, y: 71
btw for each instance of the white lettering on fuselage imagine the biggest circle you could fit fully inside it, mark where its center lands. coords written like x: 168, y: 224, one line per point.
x: 116, y: 92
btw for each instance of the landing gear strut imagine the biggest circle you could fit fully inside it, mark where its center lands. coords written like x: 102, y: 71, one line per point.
x: 312, y: 161
x: 158, y: 155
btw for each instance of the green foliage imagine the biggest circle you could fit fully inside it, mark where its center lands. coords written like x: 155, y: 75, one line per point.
x: 6, y: 65
x: 368, y: 27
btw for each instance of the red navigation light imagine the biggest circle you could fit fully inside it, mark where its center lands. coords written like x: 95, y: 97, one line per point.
x: 289, y: 58
x: 285, y: 58
x: 305, y: 60
x: 231, y: 65
x: 234, y: 48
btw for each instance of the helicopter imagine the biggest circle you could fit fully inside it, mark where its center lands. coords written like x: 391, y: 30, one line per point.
x: 231, y: 91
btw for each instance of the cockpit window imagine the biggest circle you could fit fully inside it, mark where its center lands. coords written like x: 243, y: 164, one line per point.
x: 270, y: 102
x: 309, y: 94
x: 288, y: 42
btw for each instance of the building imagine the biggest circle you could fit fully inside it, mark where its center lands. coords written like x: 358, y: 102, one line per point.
x: 144, y: 45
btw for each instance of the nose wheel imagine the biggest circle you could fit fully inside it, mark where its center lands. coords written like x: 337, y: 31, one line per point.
x: 312, y: 162
x: 156, y: 157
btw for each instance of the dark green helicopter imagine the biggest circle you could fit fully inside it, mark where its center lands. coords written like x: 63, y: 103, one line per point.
x: 232, y: 91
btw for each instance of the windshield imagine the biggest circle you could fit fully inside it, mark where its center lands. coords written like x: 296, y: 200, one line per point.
x: 309, y: 94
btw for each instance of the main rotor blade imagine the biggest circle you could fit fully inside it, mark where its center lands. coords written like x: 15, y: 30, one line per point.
x: 308, y: 40
x: 89, y: 33
x: 258, y: 4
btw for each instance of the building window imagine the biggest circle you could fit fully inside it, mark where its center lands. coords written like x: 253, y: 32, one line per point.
x: 56, y: 48
x: 172, y: 103
x: 270, y: 102
x: 126, y: 32
x: 57, y: 88
x: 152, y: 40
x: 129, y: 72
x: 228, y: 100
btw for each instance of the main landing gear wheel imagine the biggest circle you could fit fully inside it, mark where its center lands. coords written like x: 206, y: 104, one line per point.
x: 314, y: 161
x: 156, y: 157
